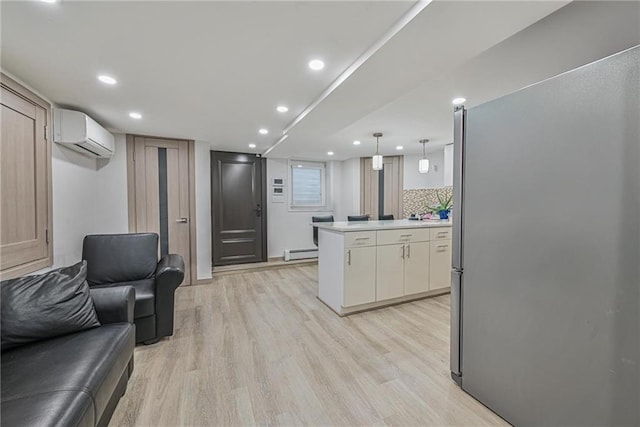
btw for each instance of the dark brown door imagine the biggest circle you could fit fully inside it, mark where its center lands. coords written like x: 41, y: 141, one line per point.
x: 238, y: 208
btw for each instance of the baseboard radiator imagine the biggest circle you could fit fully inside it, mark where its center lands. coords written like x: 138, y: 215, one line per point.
x: 293, y: 254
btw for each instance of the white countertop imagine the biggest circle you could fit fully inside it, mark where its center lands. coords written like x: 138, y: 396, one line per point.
x: 346, y: 226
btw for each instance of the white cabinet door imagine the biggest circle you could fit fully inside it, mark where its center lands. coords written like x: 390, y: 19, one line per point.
x: 440, y: 264
x: 390, y: 274
x: 416, y: 268
x: 359, y: 276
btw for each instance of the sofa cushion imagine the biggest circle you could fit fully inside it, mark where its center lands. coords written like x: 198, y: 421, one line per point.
x: 113, y: 258
x: 91, y: 362
x: 46, y: 305
x: 60, y: 408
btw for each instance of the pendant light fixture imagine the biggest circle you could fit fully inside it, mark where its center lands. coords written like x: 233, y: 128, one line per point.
x: 377, y: 158
x: 423, y: 164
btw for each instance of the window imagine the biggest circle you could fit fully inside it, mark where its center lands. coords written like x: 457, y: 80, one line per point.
x: 308, y: 185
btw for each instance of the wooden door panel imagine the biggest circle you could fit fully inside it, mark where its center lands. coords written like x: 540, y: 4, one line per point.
x: 151, y: 201
x: 381, y: 187
x: 238, y: 214
x: 23, y: 181
x: 390, y: 272
x: 176, y: 192
x: 161, y: 174
x: 360, y: 276
x: 18, y: 167
x: 416, y: 268
x: 440, y: 264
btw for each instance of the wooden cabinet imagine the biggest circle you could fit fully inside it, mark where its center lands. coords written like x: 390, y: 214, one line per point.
x: 25, y: 181
x: 390, y: 272
x: 389, y: 237
x: 416, y: 268
x: 360, y: 238
x: 440, y: 264
x: 359, y: 276
x: 360, y: 270
x: 402, y: 270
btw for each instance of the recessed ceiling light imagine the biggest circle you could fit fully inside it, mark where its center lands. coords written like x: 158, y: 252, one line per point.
x: 399, y: 147
x: 49, y: 1
x: 458, y: 101
x: 107, y: 79
x: 299, y: 166
x: 356, y: 142
x: 252, y: 145
x: 263, y: 131
x: 135, y: 115
x: 316, y: 65
x: 330, y: 153
x: 282, y: 109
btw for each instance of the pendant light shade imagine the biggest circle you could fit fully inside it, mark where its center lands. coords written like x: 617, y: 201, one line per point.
x: 377, y: 158
x: 377, y: 162
x: 423, y: 164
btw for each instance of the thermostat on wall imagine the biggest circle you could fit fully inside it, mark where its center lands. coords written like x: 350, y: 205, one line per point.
x: 277, y: 194
x: 278, y: 182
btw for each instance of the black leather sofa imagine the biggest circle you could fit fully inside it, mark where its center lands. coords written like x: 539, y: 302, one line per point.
x: 115, y: 260
x: 75, y: 379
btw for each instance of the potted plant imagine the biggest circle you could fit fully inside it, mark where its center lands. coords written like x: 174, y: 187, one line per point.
x: 444, y: 206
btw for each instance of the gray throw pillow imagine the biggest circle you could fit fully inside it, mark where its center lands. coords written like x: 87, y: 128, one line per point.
x: 46, y: 305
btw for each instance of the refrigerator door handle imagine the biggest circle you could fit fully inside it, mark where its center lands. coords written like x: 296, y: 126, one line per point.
x: 459, y: 141
x: 456, y: 326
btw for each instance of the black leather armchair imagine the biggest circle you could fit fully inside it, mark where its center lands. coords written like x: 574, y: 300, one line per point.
x: 132, y: 260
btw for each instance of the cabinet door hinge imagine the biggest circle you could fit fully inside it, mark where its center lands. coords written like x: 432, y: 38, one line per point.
x: 46, y: 236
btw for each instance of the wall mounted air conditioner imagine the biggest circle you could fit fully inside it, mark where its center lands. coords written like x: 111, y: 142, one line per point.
x: 77, y: 131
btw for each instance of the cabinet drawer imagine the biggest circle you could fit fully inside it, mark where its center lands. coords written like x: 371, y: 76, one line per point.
x: 439, y: 264
x: 359, y: 238
x: 440, y: 233
x: 390, y: 237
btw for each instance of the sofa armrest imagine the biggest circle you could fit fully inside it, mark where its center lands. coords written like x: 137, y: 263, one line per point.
x: 114, y: 304
x: 169, y: 275
x: 170, y: 271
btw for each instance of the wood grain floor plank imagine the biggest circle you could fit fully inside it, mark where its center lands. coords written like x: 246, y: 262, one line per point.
x: 258, y: 348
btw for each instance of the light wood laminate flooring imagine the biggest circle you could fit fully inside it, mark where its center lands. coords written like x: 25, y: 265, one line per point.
x: 259, y: 348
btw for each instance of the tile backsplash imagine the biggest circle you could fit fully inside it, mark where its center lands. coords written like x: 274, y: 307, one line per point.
x: 417, y: 201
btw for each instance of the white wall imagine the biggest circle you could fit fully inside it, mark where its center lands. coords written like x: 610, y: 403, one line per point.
x: 291, y: 230
x: 448, y: 165
x: 414, y: 180
x: 203, y: 209
x: 89, y: 197
x: 285, y: 229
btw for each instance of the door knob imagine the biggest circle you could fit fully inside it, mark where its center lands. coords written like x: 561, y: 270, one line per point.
x: 182, y: 220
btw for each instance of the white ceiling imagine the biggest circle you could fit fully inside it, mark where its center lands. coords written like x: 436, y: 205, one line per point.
x: 215, y: 71
x: 212, y: 71
x: 580, y: 33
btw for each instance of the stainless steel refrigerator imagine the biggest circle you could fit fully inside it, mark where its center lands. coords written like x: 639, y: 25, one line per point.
x: 545, y: 324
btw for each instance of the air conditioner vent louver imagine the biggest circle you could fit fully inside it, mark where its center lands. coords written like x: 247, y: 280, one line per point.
x: 76, y: 130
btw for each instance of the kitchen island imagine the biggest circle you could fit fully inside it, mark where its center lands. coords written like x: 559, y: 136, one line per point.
x: 370, y: 264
